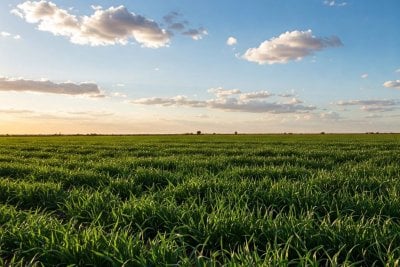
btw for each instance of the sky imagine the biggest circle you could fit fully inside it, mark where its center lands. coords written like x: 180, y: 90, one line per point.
x: 176, y: 66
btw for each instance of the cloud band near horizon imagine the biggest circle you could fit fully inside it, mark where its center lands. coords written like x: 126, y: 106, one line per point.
x: 232, y: 100
x: 45, y: 86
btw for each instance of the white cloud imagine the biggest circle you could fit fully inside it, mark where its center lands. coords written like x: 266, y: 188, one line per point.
x: 392, y: 84
x: 231, y: 41
x: 221, y: 92
x: 398, y: 71
x: 42, y: 86
x: 364, y: 76
x: 294, y: 100
x: 9, y: 35
x: 5, y: 34
x: 247, y: 102
x: 115, y: 25
x: 334, y: 3
x: 289, y: 46
x: 96, y: 7
x: 119, y: 94
x: 256, y: 95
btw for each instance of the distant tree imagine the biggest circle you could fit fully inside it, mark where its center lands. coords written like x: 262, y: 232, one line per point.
x: 322, y: 132
x: 236, y: 132
x: 198, y: 132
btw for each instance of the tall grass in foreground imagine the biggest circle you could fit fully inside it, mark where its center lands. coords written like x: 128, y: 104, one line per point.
x: 200, y: 200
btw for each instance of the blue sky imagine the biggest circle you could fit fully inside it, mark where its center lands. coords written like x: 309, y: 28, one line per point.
x: 165, y: 66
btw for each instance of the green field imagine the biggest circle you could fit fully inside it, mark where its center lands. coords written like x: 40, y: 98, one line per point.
x: 208, y: 200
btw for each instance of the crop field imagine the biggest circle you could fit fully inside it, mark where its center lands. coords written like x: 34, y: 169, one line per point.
x: 200, y: 200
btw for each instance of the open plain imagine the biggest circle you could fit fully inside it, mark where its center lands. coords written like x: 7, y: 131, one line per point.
x: 200, y: 200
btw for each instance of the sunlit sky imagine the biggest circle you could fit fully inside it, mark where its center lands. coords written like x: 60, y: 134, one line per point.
x: 179, y: 66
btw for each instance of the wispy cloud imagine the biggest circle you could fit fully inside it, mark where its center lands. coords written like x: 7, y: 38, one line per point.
x: 196, y: 34
x: 392, y: 84
x: 330, y: 115
x: 364, y: 76
x: 15, y: 111
x: 115, y: 25
x: 10, y: 35
x: 256, y: 95
x: 221, y: 92
x: 173, y: 101
x: 289, y: 46
x: 42, y: 86
x: 175, y: 23
x: 287, y: 95
x: 257, y: 106
x: 232, y: 100
x: 373, y: 105
x: 334, y: 3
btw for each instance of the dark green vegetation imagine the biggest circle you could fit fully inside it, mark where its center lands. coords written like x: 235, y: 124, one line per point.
x: 200, y: 200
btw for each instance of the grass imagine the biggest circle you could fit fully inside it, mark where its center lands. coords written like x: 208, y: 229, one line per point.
x: 243, y: 200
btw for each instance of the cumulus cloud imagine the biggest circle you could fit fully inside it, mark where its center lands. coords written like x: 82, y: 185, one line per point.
x: 231, y: 41
x: 42, y: 86
x: 334, y: 3
x: 373, y: 105
x: 115, y: 25
x: 392, y: 84
x: 231, y: 100
x: 289, y: 46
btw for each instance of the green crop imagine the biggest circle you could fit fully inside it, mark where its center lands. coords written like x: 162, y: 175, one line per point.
x: 201, y: 200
